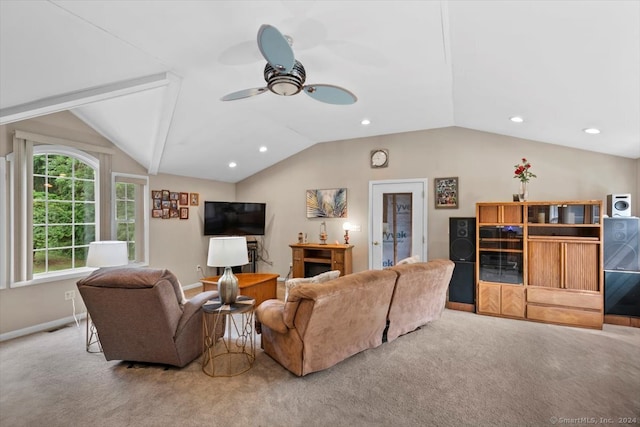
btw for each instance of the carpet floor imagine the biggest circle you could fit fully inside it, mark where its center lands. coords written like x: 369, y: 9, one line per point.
x: 462, y: 370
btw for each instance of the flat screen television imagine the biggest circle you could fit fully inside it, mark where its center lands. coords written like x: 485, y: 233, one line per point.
x: 234, y: 218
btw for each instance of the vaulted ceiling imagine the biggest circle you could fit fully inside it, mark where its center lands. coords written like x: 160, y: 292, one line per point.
x: 149, y: 75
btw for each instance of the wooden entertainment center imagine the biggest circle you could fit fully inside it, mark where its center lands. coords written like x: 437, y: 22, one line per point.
x: 541, y: 261
x: 309, y: 259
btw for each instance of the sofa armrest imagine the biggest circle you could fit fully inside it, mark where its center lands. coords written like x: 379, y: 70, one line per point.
x: 192, y: 306
x: 271, y: 314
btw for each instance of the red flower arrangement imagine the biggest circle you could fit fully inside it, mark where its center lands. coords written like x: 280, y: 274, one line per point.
x: 522, y: 171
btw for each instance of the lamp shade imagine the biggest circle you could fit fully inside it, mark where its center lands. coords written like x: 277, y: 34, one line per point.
x: 227, y: 252
x: 107, y: 253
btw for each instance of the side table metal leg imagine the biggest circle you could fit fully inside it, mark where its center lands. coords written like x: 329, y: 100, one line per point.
x: 92, y: 337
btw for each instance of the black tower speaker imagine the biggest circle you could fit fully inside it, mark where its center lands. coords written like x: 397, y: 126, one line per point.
x: 462, y: 251
x: 462, y: 239
x: 622, y: 293
x: 621, y: 244
x: 462, y: 287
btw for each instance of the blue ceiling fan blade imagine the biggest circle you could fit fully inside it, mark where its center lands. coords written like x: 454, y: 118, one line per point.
x: 330, y: 94
x: 275, y: 48
x: 246, y: 93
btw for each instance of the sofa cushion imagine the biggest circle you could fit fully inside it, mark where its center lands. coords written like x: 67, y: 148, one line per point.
x: 409, y: 260
x: 320, y: 278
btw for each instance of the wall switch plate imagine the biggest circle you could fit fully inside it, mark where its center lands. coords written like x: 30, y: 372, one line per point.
x: 69, y: 295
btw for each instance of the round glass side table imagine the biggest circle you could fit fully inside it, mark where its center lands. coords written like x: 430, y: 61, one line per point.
x: 234, y: 352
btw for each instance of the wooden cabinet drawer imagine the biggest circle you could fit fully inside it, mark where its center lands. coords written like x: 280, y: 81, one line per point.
x: 565, y: 298
x: 565, y: 316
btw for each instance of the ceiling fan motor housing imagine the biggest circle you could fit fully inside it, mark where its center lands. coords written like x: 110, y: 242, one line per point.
x: 285, y: 84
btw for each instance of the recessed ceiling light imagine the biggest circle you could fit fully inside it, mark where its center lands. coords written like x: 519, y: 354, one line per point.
x: 233, y: 164
x: 365, y: 122
x: 591, y: 131
x: 263, y: 149
x: 516, y: 119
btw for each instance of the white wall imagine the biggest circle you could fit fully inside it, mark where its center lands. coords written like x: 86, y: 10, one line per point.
x: 484, y: 163
x: 174, y: 244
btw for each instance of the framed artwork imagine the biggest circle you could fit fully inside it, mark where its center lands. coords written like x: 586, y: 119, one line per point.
x: 168, y: 204
x: 331, y: 203
x: 184, y: 213
x: 446, y: 192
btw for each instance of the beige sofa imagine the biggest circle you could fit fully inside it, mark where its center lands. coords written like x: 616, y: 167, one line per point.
x: 321, y: 324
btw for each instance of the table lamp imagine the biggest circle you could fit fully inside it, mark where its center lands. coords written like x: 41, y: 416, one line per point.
x: 227, y: 252
x: 346, y: 227
x: 105, y: 253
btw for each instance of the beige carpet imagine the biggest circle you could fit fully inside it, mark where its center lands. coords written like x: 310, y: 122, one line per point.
x: 463, y: 370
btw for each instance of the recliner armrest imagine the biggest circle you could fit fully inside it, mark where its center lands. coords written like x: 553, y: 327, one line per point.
x: 192, y: 306
x: 271, y: 314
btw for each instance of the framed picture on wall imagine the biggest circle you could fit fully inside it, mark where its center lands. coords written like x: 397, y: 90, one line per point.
x: 330, y: 203
x: 446, y: 192
x: 184, y: 199
x: 184, y: 213
x: 194, y: 199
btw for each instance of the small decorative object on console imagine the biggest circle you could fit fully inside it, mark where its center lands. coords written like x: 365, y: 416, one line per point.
x: 523, y: 173
x: 346, y: 227
x: 323, y: 233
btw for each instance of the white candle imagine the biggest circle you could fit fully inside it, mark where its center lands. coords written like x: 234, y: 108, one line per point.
x: 541, y: 218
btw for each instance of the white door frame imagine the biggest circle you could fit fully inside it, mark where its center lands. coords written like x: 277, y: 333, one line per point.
x: 422, y: 216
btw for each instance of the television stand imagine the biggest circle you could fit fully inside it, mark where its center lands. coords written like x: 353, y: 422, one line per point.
x: 310, y: 259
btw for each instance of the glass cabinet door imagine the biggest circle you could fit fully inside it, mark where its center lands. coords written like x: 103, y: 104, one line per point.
x: 500, y: 254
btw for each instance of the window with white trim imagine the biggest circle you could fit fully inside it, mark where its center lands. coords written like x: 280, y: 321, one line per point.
x: 131, y: 214
x: 64, y: 201
x: 58, y: 195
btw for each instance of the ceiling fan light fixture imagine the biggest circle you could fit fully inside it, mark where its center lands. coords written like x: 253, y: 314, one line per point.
x: 285, y: 84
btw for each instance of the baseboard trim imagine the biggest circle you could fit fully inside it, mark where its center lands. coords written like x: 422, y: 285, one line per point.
x: 613, y: 319
x: 192, y: 286
x: 460, y: 306
x: 42, y: 327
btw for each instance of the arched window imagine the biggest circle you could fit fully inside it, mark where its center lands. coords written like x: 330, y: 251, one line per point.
x: 60, y: 196
x: 65, y: 207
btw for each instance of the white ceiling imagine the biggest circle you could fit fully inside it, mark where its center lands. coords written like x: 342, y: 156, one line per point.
x: 149, y: 75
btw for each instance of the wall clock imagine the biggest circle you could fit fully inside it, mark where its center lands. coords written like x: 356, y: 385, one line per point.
x: 379, y: 158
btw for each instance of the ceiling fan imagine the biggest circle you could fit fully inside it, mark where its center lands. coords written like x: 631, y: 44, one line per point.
x: 285, y: 75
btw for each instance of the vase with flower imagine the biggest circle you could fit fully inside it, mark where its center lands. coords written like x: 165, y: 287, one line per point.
x: 524, y: 174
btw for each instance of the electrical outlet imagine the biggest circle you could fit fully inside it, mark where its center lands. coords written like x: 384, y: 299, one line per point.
x: 69, y: 295
x: 198, y: 267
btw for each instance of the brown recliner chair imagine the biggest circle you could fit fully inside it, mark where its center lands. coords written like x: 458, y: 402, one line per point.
x: 141, y: 315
